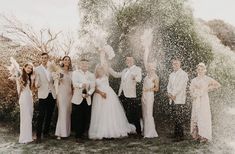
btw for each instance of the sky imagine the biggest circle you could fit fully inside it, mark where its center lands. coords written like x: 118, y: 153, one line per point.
x: 214, y: 9
x: 54, y: 14
x: 63, y: 14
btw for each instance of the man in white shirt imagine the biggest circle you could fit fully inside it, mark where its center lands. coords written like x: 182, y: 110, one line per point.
x: 176, y: 89
x: 84, y: 87
x: 46, y: 95
x: 130, y: 76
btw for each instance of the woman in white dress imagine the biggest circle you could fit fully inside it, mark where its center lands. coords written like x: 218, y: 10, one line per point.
x: 24, y: 85
x: 108, y: 119
x: 64, y: 96
x: 201, y: 125
x: 150, y: 85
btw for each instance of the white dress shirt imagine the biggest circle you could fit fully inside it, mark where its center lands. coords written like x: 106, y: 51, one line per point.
x: 129, y: 78
x: 177, y: 86
x: 48, y: 74
x: 78, y: 79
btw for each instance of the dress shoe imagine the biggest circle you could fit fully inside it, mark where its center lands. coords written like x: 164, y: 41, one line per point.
x: 38, y: 140
x: 78, y: 140
x: 178, y: 139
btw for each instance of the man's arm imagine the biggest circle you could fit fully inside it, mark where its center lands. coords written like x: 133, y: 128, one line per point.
x: 168, y: 85
x: 138, y: 76
x: 92, y: 85
x: 114, y: 73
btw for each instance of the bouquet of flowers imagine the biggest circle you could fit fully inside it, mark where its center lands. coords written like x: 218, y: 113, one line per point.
x: 57, y: 74
x: 15, y: 72
x: 14, y: 69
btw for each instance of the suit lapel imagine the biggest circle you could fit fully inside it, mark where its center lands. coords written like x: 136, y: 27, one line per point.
x: 44, y: 74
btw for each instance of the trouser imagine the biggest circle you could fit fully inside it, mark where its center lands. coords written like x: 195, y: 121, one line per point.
x: 178, y: 119
x: 81, y: 115
x: 132, y: 109
x: 46, y: 109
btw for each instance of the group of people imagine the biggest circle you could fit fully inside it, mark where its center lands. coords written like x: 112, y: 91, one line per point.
x: 87, y: 102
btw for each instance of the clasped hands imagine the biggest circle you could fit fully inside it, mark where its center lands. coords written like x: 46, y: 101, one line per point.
x: 171, y: 96
x: 84, y: 86
x: 103, y: 95
x: 148, y: 90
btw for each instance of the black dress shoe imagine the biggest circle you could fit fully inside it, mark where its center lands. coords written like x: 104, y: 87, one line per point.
x: 48, y: 136
x: 178, y: 139
x: 38, y: 140
x: 78, y: 140
x: 171, y: 136
x: 138, y: 136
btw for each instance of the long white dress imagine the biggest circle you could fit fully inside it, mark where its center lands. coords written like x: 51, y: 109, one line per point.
x: 108, y: 119
x: 26, y: 115
x: 201, y: 112
x: 147, y: 108
x: 64, y: 96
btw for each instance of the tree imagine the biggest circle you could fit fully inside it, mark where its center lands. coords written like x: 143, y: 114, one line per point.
x: 67, y: 45
x: 43, y: 41
x: 225, y: 32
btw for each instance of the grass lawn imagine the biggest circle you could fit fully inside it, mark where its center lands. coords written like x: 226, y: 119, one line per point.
x: 9, y: 144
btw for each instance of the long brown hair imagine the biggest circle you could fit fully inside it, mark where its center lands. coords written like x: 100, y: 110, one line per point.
x: 70, y: 65
x: 26, y: 77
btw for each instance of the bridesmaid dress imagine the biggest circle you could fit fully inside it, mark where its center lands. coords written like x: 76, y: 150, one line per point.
x: 64, y: 96
x: 201, y: 112
x: 147, y: 108
x: 26, y: 114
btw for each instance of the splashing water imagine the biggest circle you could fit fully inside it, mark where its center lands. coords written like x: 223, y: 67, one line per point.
x: 146, y: 40
x: 222, y: 68
x: 147, y: 43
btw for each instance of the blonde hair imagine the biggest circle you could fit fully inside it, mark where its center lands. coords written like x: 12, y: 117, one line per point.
x: 152, y: 65
x: 201, y: 65
x: 98, y: 66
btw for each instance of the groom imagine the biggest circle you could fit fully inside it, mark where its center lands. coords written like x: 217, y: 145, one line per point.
x: 84, y: 87
x: 130, y: 76
x: 176, y: 89
x: 46, y: 95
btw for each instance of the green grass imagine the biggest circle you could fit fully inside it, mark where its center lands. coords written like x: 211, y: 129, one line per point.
x: 223, y: 135
x: 9, y: 144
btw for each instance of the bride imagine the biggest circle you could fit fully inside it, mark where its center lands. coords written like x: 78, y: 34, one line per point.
x: 108, y: 119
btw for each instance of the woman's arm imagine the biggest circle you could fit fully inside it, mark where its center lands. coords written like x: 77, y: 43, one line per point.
x: 102, y: 94
x: 155, y: 88
x: 213, y: 85
x: 19, y: 84
x: 156, y: 85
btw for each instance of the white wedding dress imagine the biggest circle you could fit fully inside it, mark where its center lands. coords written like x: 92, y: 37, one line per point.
x: 108, y: 119
x: 26, y: 115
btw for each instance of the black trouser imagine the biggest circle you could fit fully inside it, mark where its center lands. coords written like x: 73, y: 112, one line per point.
x: 178, y: 119
x: 81, y: 115
x: 132, y: 109
x: 46, y: 109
